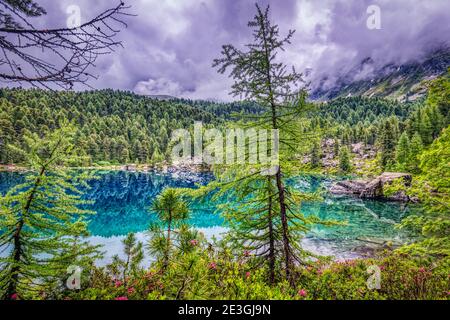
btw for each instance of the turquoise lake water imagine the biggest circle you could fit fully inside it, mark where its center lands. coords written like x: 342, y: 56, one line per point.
x: 122, y: 200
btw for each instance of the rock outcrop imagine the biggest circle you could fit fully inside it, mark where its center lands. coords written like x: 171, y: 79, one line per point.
x: 373, y: 188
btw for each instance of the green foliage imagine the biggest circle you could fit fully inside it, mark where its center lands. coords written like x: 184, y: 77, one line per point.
x: 402, y: 277
x: 252, y: 216
x: 315, y: 155
x: 403, y: 150
x: 134, y: 254
x: 171, y: 230
x: 435, y: 163
x: 41, y: 223
x: 344, y: 159
x: 433, y: 189
x: 114, y: 126
x: 42, y: 227
x: 388, y: 136
x: 336, y: 148
x: 429, y: 120
x: 416, y: 148
x: 359, y: 119
x: 215, y: 272
x: 439, y: 96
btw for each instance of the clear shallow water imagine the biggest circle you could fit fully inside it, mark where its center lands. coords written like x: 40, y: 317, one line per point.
x: 122, y: 200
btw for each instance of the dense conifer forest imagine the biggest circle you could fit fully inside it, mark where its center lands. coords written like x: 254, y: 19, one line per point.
x: 118, y: 127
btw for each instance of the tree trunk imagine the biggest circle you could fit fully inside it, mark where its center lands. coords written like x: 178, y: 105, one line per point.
x: 285, y: 226
x: 282, y: 201
x: 271, y: 242
x: 166, y: 258
x: 280, y: 187
x: 17, y: 255
x: 17, y: 251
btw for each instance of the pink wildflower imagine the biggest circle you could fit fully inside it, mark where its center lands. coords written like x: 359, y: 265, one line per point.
x: 247, y: 274
x: 131, y: 290
x: 213, y: 265
x: 302, y: 293
x: 422, y: 269
x: 121, y: 298
x: 117, y: 283
x: 246, y: 253
x: 14, y: 296
x: 193, y: 242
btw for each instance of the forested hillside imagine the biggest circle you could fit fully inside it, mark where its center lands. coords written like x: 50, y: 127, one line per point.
x: 359, y: 119
x: 114, y: 126
x: 120, y: 127
x: 387, y: 128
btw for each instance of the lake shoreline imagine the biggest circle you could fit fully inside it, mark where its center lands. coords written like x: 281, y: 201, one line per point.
x: 122, y: 198
x: 165, y: 168
x: 112, y: 245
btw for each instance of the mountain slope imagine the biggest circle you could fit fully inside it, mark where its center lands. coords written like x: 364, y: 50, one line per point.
x: 406, y: 82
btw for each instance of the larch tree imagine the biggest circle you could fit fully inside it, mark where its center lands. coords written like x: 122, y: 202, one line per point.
x: 42, y: 223
x: 58, y: 57
x: 259, y: 76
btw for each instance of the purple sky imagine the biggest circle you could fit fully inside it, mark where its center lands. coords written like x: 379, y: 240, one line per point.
x: 170, y: 45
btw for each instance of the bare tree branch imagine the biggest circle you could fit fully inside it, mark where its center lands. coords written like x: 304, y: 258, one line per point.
x: 62, y: 56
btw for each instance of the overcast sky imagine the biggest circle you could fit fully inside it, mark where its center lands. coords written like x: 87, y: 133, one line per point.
x: 169, y: 46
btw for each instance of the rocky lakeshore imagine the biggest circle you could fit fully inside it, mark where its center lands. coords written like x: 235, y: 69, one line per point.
x: 374, y: 188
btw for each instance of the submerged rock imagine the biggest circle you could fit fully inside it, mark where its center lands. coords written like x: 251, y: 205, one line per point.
x: 373, y: 188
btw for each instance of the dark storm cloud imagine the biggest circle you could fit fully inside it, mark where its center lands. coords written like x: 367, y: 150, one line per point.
x: 409, y: 29
x: 170, y: 45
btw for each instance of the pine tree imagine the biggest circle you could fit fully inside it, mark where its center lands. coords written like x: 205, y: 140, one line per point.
x: 134, y: 255
x: 437, y: 120
x: 157, y: 157
x: 346, y: 138
x: 41, y: 218
x: 124, y: 155
x: 416, y: 148
x: 387, y: 142
x: 172, y: 213
x: 402, y: 152
x: 426, y: 129
x: 336, y: 148
x: 344, y: 159
x: 315, y: 155
x: 7, y: 134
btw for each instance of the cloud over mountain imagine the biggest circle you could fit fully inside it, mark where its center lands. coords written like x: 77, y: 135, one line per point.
x: 170, y: 45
